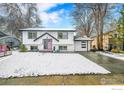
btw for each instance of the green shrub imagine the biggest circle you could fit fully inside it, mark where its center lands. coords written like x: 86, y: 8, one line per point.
x: 122, y: 52
x: 23, y: 48
x: 115, y: 50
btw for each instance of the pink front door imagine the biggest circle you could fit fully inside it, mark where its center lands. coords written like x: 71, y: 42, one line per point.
x: 48, y: 44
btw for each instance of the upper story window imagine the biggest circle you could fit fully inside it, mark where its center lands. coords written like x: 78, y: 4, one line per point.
x: 62, y: 35
x: 32, y: 35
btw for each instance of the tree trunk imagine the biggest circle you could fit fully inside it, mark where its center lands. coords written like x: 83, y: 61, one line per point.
x: 98, y: 44
x: 123, y: 45
x: 97, y: 29
x: 101, y: 34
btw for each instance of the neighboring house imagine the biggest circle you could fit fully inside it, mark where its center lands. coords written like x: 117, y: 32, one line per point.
x: 8, y: 40
x: 52, y: 39
x: 108, y: 42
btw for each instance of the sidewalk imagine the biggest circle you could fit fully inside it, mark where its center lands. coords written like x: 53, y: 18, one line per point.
x: 113, y: 55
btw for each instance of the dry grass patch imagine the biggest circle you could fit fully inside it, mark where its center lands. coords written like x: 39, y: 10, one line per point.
x: 111, y: 79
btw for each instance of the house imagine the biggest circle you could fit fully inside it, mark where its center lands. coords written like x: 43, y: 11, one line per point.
x: 9, y: 40
x: 108, y: 40
x: 53, y: 39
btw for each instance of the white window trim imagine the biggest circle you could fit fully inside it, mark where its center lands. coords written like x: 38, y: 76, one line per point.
x: 32, y: 35
x: 62, y: 34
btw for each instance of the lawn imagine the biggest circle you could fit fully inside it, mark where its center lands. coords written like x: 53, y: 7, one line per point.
x: 35, y: 64
x: 113, y: 65
x: 109, y: 79
x: 122, y: 52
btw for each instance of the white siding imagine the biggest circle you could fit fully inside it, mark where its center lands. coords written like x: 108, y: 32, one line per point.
x: 55, y: 34
x: 68, y: 42
x: 78, y: 46
x: 70, y: 39
x: 70, y: 47
x: 31, y: 41
x: 27, y: 46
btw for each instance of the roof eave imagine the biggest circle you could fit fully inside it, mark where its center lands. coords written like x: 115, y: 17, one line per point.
x: 83, y: 40
x: 50, y: 30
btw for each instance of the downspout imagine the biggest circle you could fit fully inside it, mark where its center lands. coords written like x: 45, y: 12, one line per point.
x: 87, y: 45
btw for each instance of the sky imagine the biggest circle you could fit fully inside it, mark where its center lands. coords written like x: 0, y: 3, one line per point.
x: 56, y: 15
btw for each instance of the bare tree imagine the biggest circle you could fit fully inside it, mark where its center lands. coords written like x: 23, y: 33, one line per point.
x: 16, y: 18
x: 12, y: 16
x: 99, y: 11
x: 32, y: 16
x: 83, y: 20
x: 92, y: 19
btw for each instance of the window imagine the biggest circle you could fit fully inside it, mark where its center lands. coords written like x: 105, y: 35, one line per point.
x: 62, y: 47
x: 32, y: 35
x: 62, y: 35
x: 83, y: 44
x: 34, y: 48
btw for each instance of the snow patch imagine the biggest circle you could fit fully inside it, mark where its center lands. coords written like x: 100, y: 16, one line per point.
x: 35, y: 64
x: 113, y: 55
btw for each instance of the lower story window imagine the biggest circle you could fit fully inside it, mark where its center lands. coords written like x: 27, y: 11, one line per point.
x: 62, y: 47
x: 34, y: 48
x: 83, y: 44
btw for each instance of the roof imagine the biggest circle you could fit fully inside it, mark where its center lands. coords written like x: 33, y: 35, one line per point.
x: 107, y: 32
x: 48, y: 29
x: 4, y: 37
x: 2, y: 34
x: 45, y: 34
x: 83, y: 38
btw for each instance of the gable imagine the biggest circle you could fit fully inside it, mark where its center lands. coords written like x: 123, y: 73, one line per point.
x: 45, y: 35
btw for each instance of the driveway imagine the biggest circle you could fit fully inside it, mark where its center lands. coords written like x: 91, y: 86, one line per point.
x: 115, y: 66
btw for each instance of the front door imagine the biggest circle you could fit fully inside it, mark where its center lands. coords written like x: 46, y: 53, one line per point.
x: 48, y: 44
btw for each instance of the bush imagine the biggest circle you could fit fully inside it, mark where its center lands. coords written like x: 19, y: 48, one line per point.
x: 93, y: 49
x: 115, y: 50
x: 122, y: 52
x: 23, y: 48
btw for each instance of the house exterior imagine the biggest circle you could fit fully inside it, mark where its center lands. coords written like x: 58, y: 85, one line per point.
x: 108, y: 40
x: 82, y: 44
x: 52, y: 39
x: 9, y: 40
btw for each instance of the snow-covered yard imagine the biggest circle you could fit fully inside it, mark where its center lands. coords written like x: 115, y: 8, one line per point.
x: 113, y: 55
x: 35, y: 63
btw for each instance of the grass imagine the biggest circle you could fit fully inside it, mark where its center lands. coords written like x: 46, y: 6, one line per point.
x: 110, y: 79
x: 118, y: 51
x: 122, y: 52
x: 114, y: 65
